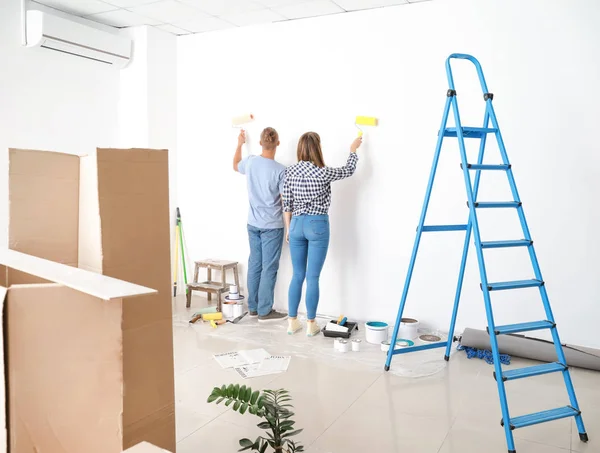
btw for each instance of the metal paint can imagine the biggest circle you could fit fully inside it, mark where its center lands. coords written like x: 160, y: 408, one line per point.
x: 356, y: 345
x: 385, y: 346
x: 344, y: 346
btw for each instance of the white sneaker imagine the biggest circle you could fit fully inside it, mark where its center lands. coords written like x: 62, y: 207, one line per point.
x: 312, y: 329
x: 293, y: 326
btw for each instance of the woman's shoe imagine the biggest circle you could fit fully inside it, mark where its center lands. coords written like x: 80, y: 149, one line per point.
x: 293, y: 326
x: 312, y: 329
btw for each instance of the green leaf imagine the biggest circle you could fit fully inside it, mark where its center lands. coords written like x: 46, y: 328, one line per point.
x: 264, y: 425
x: 287, y: 424
x: 228, y: 402
x: 248, y: 394
x: 236, y: 405
x: 223, y: 389
x: 220, y: 400
x: 264, y: 447
x: 244, y: 408
x: 293, y: 433
x: 230, y: 391
x: 212, y: 398
x: 242, y: 392
x: 246, y: 444
x: 236, y: 391
x: 254, y: 397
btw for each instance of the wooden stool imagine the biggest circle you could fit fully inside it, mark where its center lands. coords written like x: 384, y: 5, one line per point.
x: 213, y: 287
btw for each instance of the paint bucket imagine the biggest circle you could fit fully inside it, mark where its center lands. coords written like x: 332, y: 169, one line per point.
x: 409, y: 328
x: 344, y: 346
x: 228, y: 309
x: 238, y: 310
x: 385, y: 346
x: 376, y: 332
x: 356, y: 345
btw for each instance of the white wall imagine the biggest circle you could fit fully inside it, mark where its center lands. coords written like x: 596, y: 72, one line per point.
x: 50, y: 101
x: 540, y: 60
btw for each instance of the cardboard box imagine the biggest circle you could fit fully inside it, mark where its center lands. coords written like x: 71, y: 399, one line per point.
x: 145, y: 447
x: 114, y: 220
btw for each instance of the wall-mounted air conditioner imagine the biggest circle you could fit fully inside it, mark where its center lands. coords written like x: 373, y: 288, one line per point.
x: 62, y: 35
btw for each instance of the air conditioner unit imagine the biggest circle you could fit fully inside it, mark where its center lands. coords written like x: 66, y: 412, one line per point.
x: 62, y: 35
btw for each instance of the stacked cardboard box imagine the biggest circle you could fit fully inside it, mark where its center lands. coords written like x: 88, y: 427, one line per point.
x: 89, y: 370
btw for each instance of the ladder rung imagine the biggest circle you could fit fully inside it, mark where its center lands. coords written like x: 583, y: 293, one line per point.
x: 542, y: 417
x: 470, y: 132
x: 487, y: 167
x: 500, y: 286
x: 444, y: 228
x: 496, y: 204
x: 503, y: 244
x: 523, y: 327
x: 529, y: 371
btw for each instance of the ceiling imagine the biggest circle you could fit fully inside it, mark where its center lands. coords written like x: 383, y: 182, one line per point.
x: 182, y: 17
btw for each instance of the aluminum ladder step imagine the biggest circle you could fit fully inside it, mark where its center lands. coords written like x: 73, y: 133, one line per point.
x: 542, y: 417
x: 517, y: 284
x: 496, y: 204
x: 470, y: 132
x: 487, y: 166
x: 506, y: 244
x: 522, y: 327
x: 530, y: 371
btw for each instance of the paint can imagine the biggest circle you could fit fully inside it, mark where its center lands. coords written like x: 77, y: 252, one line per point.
x: 344, y: 346
x: 336, y: 344
x: 356, y: 345
x: 376, y: 332
x: 409, y: 328
x: 238, y: 310
x: 385, y: 346
x: 228, y: 309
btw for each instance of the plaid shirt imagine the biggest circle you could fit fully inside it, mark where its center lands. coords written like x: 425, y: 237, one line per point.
x: 307, y: 188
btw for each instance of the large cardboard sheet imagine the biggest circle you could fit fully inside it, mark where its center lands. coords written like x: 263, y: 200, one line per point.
x: 133, y: 194
x: 65, y: 375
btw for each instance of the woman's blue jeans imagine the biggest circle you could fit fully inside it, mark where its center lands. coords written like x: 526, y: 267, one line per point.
x: 309, y: 241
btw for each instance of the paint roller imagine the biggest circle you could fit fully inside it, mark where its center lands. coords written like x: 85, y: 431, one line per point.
x: 364, y: 121
x: 239, y: 121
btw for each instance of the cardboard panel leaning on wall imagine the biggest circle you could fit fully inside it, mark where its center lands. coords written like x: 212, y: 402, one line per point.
x: 133, y: 193
x: 77, y: 405
x: 44, y: 207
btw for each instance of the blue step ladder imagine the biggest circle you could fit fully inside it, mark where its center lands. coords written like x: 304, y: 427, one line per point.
x: 481, y: 133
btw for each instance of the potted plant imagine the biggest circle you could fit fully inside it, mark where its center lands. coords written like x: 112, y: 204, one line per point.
x: 273, y: 406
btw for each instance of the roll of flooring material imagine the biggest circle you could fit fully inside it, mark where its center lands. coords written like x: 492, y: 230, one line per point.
x: 532, y: 348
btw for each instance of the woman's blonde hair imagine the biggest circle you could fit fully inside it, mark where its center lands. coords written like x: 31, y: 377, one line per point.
x: 269, y: 138
x: 309, y: 149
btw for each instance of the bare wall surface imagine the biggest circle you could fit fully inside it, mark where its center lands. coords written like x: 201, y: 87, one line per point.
x: 318, y: 74
x: 50, y: 101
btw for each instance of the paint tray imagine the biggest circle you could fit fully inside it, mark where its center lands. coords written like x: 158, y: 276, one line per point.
x: 352, y: 326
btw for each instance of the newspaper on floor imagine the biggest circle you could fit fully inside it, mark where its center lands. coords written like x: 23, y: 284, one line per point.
x: 270, y: 365
x: 241, y: 358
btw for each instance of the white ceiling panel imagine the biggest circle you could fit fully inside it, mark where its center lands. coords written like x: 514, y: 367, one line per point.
x: 309, y: 9
x: 222, y: 7
x: 122, y: 18
x: 169, y: 11
x: 262, y: 16
x: 129, y: 3
x: 79, y: 7
x: 355, y: 5
x: 278, y: 3
x: 173, y: 29
x: 204, y: 25
x: 198, y: 16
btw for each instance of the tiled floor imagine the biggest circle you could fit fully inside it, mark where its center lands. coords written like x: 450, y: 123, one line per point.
x: 346, y: 406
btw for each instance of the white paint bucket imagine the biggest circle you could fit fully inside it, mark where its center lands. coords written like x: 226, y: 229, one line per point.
x: 238, y: 310
x: 376, y: 332
x: 228, y: 309
x: 409, y: 328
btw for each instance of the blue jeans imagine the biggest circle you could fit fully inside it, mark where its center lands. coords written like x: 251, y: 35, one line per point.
x: 263, y: 264
x: 309, y: 241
